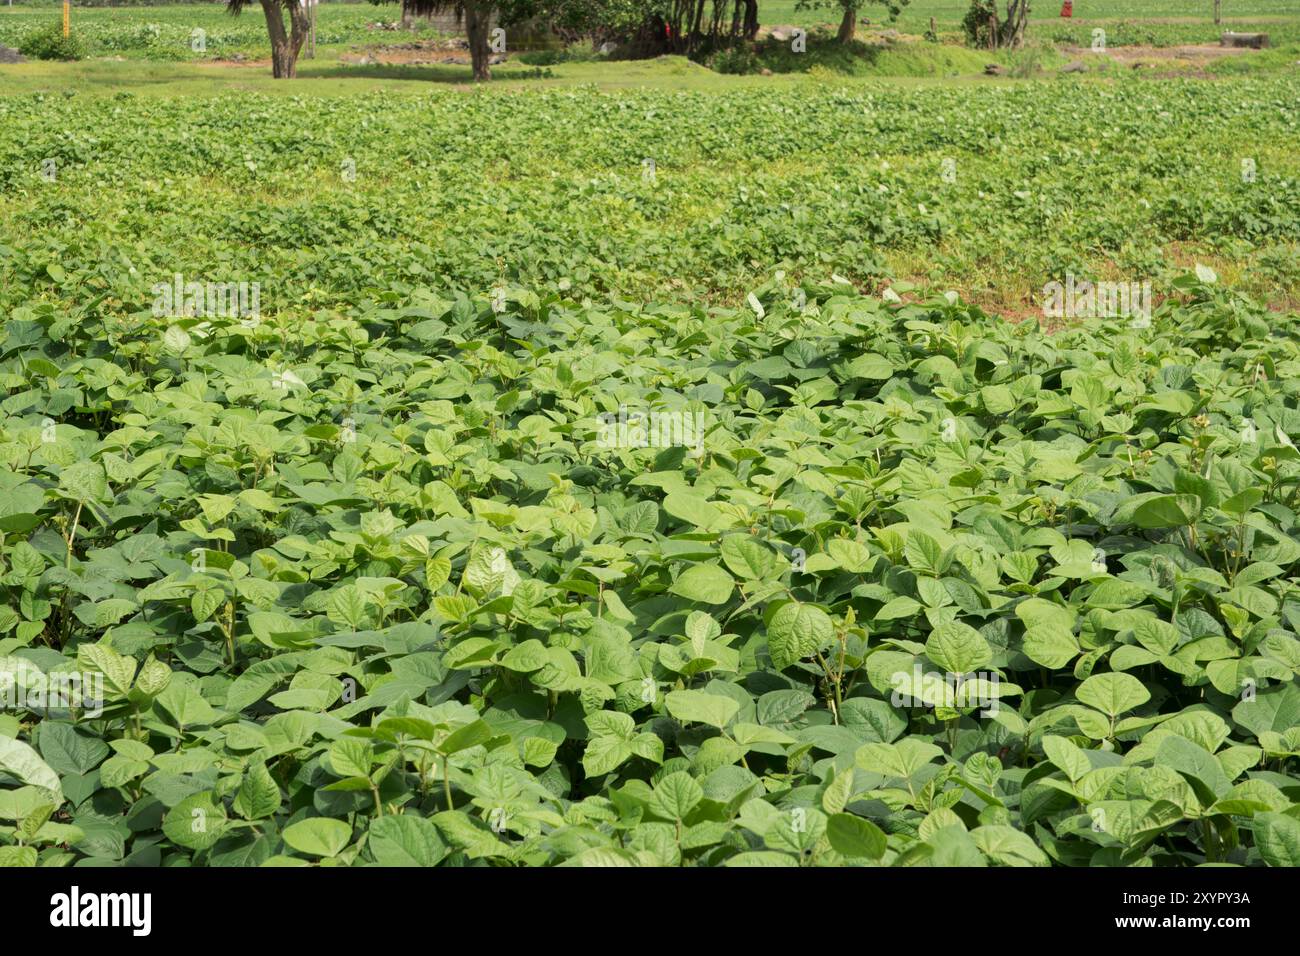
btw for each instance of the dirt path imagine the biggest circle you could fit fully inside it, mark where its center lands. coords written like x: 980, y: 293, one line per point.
x: 389, y: 57
x: 1194, y: 53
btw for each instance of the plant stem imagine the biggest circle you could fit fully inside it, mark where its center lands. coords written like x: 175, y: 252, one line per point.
x: 1211, y: 843
x: 72, y: 536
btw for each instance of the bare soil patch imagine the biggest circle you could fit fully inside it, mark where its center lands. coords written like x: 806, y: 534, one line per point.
x: 1194, y: 53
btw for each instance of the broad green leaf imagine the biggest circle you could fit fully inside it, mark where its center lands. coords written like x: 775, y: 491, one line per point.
x: 1067, y: 756
x: 318, y: 836
x: 901, y: 759
x: 676, y: 795
x: 747, y: 558
x: 350, y: 757
x: 1167, y: 511
x: 698, y: 706
x: 21, y: 761
x: 405, y: 840
x: 1278, y: 838
x: 958, y: 648
x: 259, y: 795
x: 797, y: 631
x: 692, y: 509
x: 855, y: 837
x: 1113, y: 694
x: 196, y: 822
x: 471, y: 735
x: 706, y: 583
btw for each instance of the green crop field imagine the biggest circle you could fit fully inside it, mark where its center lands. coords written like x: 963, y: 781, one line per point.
x: 859, y: 462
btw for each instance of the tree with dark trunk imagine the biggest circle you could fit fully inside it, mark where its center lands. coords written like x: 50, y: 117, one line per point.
x: 744, y: 19
x: 751, y: 19
x: 285, y: 44
x: 478, y: 18
x: 849, y: 10
x: 985, y: 28
x: 848, y: 25
x: 475, y: 16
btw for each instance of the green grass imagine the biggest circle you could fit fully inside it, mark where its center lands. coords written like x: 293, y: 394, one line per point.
x: 328, y: 75
x: 1275, y: 58
x: 893, y: 59
x: 1160, y: 22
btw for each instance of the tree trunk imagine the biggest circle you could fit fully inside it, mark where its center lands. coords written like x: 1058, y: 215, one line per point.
x: 285, y: 47
x: 848, y: 25
x: 279, y: 40
x: 1013, y: 30
x: 751, y: 19
x: 407, y: 20
x: 300, y: 27
x: 477, y: 19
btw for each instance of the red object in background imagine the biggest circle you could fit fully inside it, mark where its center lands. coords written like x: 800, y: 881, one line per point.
x: 1067, y: 9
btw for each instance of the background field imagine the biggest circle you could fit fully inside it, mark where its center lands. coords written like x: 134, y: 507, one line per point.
x: 1050, y: 177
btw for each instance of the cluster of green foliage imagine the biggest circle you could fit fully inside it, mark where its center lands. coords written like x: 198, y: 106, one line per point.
x: 50, y: 44
x: 371, y: 588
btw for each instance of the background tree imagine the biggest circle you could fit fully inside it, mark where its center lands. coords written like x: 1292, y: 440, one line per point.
x: 985, y: 28
x: 694, y: 27
x: 849, y: 10
x: 476, y: 15
x: 285, y: 45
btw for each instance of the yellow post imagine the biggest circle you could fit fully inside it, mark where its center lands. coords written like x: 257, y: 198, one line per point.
x: 67, y: 17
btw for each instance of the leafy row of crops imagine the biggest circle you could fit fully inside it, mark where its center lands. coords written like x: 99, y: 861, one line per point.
x: 1122, y: 33
x: 331, y: 201
x: 385, y: 587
